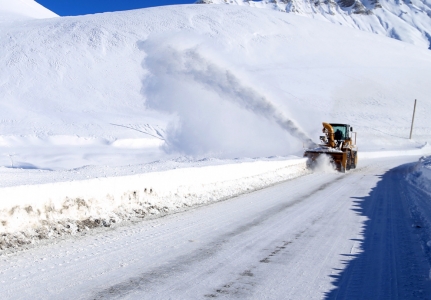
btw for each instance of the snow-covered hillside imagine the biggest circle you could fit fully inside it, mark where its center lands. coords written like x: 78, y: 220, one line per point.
x: 200, y: 80
x: 408, y: 21
x: 87, y: 102
x: 12, y: 10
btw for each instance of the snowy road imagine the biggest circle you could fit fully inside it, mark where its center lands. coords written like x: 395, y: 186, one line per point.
x: 321, y: 236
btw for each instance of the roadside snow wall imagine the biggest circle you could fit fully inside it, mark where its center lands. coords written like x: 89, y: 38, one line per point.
x: 421, y: 175
x: 422, y: 150
x: 33, y: 212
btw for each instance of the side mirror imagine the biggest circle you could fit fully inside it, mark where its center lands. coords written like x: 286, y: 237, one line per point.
x: 351, y: 128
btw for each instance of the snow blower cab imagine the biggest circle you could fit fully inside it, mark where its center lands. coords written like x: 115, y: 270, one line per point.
x: 337, y: 143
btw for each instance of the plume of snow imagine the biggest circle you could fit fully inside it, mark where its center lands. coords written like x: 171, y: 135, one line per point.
x: 180, y: 75
x: 323, y: 165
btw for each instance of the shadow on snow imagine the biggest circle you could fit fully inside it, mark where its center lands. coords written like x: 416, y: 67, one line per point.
x: 390, y: 263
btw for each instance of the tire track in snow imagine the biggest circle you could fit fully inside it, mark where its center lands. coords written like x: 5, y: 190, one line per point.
x: 279, y: 253
x: 183, y: 262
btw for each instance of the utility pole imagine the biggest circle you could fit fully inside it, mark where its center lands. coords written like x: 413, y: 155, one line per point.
x: 413, y: 120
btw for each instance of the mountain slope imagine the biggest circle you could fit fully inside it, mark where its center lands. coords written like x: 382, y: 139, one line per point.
x: 200, y: 80
x: 11, y: 10
x: 408, y: 21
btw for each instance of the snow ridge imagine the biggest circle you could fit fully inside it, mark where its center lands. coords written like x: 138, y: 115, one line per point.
x: 421, y: 174
x: 408, y: 21
x: 67, y: 208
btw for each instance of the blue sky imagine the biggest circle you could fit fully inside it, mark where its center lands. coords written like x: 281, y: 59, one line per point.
x: 82, y: 7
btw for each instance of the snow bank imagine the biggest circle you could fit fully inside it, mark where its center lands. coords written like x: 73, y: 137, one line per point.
x: 32, y: 212
x: 422, y: 150
x: 421, y: 174
x: 420, y: 206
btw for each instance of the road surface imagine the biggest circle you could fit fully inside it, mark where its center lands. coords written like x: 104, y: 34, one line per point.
x: 321, y: 236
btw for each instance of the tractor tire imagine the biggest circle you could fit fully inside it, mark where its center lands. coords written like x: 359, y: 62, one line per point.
x: 348, y: 161
x: 355, y: 159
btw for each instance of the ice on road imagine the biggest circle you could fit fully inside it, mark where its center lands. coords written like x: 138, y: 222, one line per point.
x: 321, y: 236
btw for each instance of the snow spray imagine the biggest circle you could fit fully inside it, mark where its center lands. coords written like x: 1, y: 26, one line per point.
x: 189, y: 63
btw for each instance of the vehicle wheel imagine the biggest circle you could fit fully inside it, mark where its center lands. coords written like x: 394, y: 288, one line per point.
x: 348, y: 161
x: 354, y: 160
x: 342, y: 169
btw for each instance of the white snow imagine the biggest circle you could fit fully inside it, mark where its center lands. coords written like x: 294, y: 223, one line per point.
x: 116, y: 117
x: 13, y: 10
x: 420, y: 150
x: 408, y: 21
x: 32, y: 212
x: 199, y: 80
x: 421, y: 174
x: 105, y: 95
x: 316, y: 231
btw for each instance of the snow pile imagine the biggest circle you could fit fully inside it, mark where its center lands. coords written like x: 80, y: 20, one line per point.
x: 420, y: 206
x: 202, y: 80
x: 32, y: 212
x: 12, y: 10
x: 408, y: 21
x: 421, y: 174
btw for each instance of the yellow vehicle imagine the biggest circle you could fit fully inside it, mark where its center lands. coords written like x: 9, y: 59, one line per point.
x: 338, y: 145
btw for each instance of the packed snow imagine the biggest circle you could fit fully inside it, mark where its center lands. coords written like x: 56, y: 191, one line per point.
x: 43, y: 204
x: 407, y: 21
x: 339, y: 235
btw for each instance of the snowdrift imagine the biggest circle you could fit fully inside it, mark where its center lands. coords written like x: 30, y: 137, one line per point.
x: 200, y: 80
x: 421, y: 175
x: 420, y: 207
x: 29, y: 213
